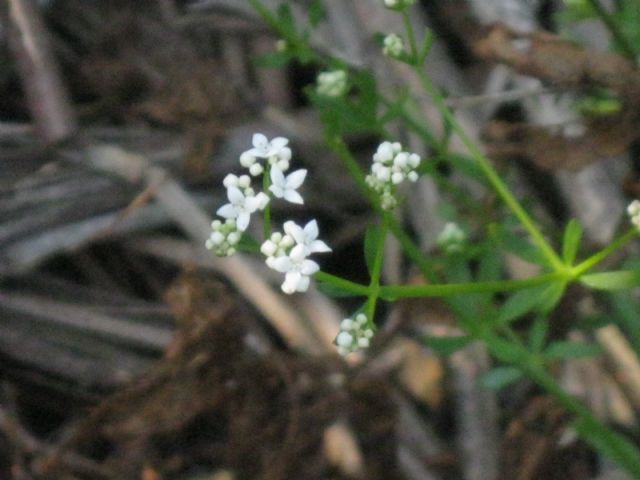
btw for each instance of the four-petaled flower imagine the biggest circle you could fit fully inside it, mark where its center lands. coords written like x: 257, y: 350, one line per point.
x: 263, y: 148
x: 285, y: 187
x: 297, y: 269
x: 307, y: 237
x: 241, y: 206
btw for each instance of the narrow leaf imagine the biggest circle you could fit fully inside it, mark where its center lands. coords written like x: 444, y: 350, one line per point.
x: 612, y: 280
x: 566, y: 350
x: 571, y: 241
x: 520, y: 303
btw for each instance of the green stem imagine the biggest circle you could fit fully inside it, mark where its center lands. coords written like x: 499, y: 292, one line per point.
x: 347, y: 285
x: 408, y: 246
x: 596, y: 258
x: 491, y: 174
x: 621, y: 40
x: 413, y: 46
x: 376, y: 271
x: 266, y: 231
x: 447, y: 289
x: 602, y: 438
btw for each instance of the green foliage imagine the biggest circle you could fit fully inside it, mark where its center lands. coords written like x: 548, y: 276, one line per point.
x: 371, y: 242
x: 612, y: 280
x: 567, y: 350
x: 571, y: 241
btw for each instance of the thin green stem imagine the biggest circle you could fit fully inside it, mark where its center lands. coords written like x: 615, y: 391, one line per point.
x: 596, y: 258
x: 621, y: 40
x: 356, y: 289
x: 266, y: 230
x: 413, y: 46
x: 376, y: 271
x: 412, y: 250
x: 491, y: 174
x: 447, y: 289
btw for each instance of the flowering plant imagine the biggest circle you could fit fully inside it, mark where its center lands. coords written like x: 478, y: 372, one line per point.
x: 472, y: 293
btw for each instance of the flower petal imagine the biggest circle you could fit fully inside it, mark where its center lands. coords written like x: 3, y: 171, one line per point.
x: 236, y: 197
x: 243, y: 221
x: 309, y: 267
x: 318, y: 246
x: 281, y: 264
x: 297, y: 254
x: 277, y: 191
x: 260, y: 142
x: 228, y: 211
x: 311, y: 231
x: 295, y: 179
x: 295, y: 231
x: 277, y: 177
x: 303, y: 284
x: 293, y: 197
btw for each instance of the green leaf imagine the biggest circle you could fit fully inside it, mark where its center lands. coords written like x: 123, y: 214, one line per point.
x: 335, y: 291
x: 538, y: 333
x: 551, y: 296
x: 566, y: 350
x: 371, y: 242
x: 447, y: 345
x: 571, y: 241
x: 520, y: 303
x: 618, y: 280
x: 504, y: 350
x: 316, y: 13
x: 541, y: 299
x: 609, y: 443
x: 522, y: 248
x: 500, y: 377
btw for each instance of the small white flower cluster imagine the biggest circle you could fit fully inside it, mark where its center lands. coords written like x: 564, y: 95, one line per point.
x: 288, y: 254
x: 332, y: 83
x: 452, y: 238
x: 285, y: 253
x: 634, y: 213
x: 393, y: 45
x: 398, y: 4
x: 354, y: 334
x: 244, y: 201
x: 224, y: 238
x: 391, y: 166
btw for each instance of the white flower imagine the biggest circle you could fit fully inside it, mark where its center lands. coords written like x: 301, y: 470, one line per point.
x: 275, y: 151
x: 297, y: 269
x: 307, y: 237
x: 634, y: 212
x: 285, y: 187
x: 392, y: 45
x: 224, y: 238
x: 391, y: 166
x: 241, y: 206
x: 355, y: 334
x: 332, y: 84
x: 263, y: 148
x: 452, y: 238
